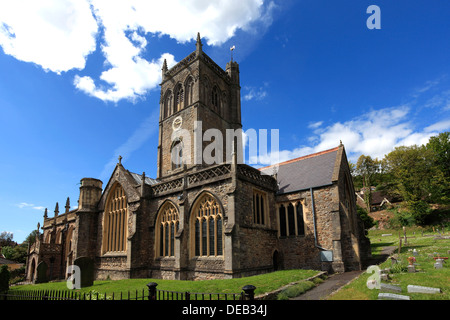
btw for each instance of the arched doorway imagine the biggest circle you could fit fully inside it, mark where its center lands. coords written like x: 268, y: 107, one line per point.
x: 276, y: 260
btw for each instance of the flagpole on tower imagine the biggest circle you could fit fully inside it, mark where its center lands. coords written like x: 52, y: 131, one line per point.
x: 231, y: 50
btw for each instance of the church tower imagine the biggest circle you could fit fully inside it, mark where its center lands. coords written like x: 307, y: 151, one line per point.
x: 199, y: 103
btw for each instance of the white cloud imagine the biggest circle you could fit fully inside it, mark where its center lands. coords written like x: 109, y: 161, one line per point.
x: 315, y: 125
x: 375, y: 133
x: 59, y: 35
x: 29, y: 205
x: 55, y: 34
x: 254, y: 93
x: 438, y: 126
x: 24, y: 205
x: 130, y: 77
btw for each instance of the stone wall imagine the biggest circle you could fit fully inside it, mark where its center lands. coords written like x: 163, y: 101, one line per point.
x: 302, y: 251
x: 255, y: 243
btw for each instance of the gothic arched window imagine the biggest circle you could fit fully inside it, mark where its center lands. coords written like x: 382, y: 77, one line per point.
x: 290, y: 219
x: 115, y: 221
x: 215, y: 98
x: 168, y: 105
x: 282, y: 221
x: 179, y: 98
x: 259, y: 207
x: 189, y: 96
x: 167, y: 226
x: 207, y: 222
x: 176, y: 154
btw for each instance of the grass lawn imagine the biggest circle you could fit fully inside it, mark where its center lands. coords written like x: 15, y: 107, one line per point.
x: 426, y: 274
x: 263, y: 283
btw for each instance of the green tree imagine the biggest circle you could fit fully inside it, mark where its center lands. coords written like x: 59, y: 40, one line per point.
x: 6, y: 238
x: 439, y: 147
x: 8, y: 252
x: 20, y: 253
x: 31, y: 238
x: 413, y: 175
x: 4, y: 278
x: 368, y: 221
x: 367, y: 168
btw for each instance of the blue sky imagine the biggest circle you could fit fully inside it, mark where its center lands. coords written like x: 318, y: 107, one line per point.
x: 79, y: 83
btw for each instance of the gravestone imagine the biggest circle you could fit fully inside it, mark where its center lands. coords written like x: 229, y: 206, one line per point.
x: 384, y: 274
x: 392, y: 296
x: 41, y: 272
x: 439, y: 264
x: 394, y: 261
x: 390, y: 288
x: 421, y: 289
x: 86, y: 266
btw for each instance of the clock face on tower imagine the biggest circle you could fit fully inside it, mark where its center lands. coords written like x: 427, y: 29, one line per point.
x: 176, y: 124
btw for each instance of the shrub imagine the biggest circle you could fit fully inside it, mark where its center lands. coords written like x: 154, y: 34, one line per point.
x: 399, y: 268
x: 368, y: 221
x: 295, y: 290
x: 4, y: 278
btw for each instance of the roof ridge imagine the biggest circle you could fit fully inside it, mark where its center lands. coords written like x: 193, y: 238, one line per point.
x: 301, y: 158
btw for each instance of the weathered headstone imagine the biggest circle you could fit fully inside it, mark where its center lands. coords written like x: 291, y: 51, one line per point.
x: 392, y: 296
x: 41, y: 272
x: 390, y: 288
x: 421, y: 289
x: 393, y: 261
x: 86, y: 266
x: 439, y: 264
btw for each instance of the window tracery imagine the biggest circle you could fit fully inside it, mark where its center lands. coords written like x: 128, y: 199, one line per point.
x: 115, y: 221
x: 167, y: 227
x: 208, y: 227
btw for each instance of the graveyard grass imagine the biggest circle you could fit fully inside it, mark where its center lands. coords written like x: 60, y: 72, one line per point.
x: 426, y: 275
x: 263, y: 283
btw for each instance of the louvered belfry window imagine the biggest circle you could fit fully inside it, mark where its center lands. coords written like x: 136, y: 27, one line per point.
x: 115, y: 221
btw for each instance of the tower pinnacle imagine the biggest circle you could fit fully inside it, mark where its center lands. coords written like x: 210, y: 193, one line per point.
x: 199, y: 44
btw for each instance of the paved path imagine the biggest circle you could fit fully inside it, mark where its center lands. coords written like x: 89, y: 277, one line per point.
x: 338, y: 280
x: 333, y: 283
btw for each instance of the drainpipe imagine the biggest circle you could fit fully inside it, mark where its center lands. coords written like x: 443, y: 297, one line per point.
x: 314, y: 221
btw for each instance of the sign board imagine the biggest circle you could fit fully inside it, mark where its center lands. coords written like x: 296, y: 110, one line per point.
x: 326, y: 256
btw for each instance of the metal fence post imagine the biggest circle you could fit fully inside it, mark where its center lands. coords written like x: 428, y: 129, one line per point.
x: 249, y: 292
x: 152, y: 291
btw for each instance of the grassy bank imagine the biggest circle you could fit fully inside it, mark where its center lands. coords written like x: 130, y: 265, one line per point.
x: 263, y: 283
x: 427, y: 247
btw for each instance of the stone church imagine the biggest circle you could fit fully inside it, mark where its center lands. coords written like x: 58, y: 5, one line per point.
x: 203, y: 220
